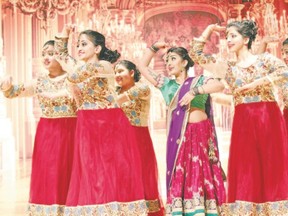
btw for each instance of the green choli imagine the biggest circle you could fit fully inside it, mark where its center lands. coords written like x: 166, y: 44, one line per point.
x: 170, y: 87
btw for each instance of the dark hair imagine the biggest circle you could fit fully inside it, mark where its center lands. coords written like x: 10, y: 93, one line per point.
x: 247, y: 28
x: 98, y: 39
x: 49, y: 42
x: 130, y: 66
x: 285, y: 42
x: 181, y: 51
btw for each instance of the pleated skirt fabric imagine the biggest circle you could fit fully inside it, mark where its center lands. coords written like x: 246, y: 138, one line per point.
x: 150, y: 171
x: 107, y: 176
x: 197, y: 186
x: 257, y: 167
x: 51, y: 165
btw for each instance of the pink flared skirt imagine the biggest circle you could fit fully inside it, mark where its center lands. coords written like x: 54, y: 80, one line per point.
x: 197, y: 186
x: 51, y: 165
x: 258, y: 168
x: 106, y: 176
x: 149, y: 171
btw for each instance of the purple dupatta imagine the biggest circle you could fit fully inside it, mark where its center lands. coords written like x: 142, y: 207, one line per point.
x: 178, y: 115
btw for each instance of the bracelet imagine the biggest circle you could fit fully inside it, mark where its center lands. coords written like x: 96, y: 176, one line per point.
x: 196, y: 91
x: 154, y: 48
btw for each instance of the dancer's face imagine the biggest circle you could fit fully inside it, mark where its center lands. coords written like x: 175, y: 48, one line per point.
x: 48, y: 58
x: 174, y: 64
x: 285, y: 53
x: 86, y: 49
x: 235, y: 40
x: 123, y: 76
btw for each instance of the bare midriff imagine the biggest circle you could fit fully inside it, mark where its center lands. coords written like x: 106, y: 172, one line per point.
x: 197, y: 115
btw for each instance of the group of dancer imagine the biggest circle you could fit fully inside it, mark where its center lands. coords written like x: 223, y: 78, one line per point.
x: 93, y: 154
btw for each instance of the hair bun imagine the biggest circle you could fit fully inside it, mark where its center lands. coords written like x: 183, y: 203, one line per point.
x: 253, y: 28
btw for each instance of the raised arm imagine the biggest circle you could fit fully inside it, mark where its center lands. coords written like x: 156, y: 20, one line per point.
x: 61, y: 47
x: 264, y: 43
x: 208, y: 62
x: 143, y: 63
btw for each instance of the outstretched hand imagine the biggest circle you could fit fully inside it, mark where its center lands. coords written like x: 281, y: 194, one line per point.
x: 218, y: 28
x: 5, y: 83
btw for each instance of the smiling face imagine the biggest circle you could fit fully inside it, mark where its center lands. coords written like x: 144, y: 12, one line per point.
x: 123, y: 76
x: 86, y: 49
x: 174, y: 64
x: 235, y: 40
x: 48, y: 58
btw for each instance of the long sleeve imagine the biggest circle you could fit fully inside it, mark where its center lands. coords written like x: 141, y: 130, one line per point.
x: 141, y: 91
x: 85, y: 71
x: 214, y: 65
x: 277, y: 69
x: 137, y: 108
x: 21, y: 90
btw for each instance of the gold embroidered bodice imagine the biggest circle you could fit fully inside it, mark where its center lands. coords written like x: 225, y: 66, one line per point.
x: 265, y: 65
x: 137, y: 108
x: 53, y: 96
x: 96, y: 88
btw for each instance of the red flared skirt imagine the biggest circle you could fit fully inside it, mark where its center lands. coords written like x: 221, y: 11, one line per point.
x: 149, y: 171
x: 258, y: 168
x: 197, y: 185
x: 107, y: 175
x: 51, y: 164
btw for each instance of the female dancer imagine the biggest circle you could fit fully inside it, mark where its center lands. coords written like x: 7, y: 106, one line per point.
x: 194, y: 180
x: 106, y: 176
x: 134, y: 99
x: 54, y: 140
x: 257, y: 167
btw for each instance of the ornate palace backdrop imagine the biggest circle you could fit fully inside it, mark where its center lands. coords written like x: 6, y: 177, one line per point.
x: 130, y: 26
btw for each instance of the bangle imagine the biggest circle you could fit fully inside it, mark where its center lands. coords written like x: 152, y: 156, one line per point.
x: 154, y: 48
x: 196, y: 91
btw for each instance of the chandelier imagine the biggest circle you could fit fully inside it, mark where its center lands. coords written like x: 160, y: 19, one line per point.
x: 47, y: 9
x: 119, y: 28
